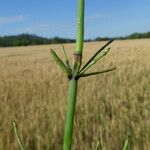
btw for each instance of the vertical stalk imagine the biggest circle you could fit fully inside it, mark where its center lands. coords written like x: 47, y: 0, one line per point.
x: 21, y: 145
x: 73, y: 83
x: 80, y: 27
x: 70, y: 114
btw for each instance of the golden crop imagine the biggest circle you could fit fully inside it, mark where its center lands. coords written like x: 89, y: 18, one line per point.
x: 109, y: 106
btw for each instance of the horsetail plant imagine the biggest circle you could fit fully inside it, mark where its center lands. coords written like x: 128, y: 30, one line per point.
x: 74, y: 72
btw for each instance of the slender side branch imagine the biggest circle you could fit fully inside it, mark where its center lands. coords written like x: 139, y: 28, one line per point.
x: 97, y: 58
x: 21, y: 145
x: 60, y: 63
x: 66, y: 57
x: 96, y: 73
x: 91, y: 59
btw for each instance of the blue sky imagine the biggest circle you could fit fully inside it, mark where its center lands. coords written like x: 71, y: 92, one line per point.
x: 51, y: 18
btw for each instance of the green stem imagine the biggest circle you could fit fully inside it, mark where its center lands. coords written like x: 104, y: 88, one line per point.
x: 68, y: 134
x: 80, y: 27
x: 126, y: 144
x: 21, y: 145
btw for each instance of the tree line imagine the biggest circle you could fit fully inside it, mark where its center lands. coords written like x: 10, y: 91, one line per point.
x: 131, y: 36
x: 29, y: 39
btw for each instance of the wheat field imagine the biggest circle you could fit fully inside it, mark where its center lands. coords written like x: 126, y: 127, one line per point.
x: 33, y: 92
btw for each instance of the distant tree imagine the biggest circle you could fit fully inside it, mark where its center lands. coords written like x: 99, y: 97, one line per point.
x: 139, y: 35
x: 30, y: 39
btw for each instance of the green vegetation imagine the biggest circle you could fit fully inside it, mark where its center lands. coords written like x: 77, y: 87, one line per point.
x: 21, y: 145
x: 33, y: 92
x: 131, y: 36
x: 29, y: 39
x: 139, y: 35
x: 75, y: 72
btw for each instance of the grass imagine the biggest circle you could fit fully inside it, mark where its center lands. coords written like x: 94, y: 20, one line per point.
x: 109, y: 107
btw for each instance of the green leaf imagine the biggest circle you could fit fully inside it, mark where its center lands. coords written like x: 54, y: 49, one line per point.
x: 60, y: 62
x: 96, y: 73
x: 97, y: 145
x: 93, y: 57
x: 21, y: 145
x: 67, y: 60
x: 126, y: 144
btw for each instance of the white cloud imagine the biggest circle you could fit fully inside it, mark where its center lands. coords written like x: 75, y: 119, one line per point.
x: 36, y: 27
x: 45, y: 27
x: 12, y: 19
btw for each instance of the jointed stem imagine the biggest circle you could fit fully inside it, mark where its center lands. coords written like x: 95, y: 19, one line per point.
x: 80, y: 27
x: 67, y: 60
x: 70, y: 114
x: 74, y: 73
x: 68, y: 134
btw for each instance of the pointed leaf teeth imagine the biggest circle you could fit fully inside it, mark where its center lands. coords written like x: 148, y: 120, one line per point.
x: 66, y: 57
x: 60, y: 63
